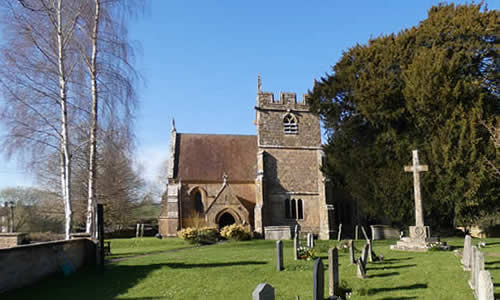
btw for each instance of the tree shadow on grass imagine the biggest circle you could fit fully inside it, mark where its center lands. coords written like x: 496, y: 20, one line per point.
x: 395, y: 260
x: 383, y: 275
x: 397, y: 298
x: 392, y: 267
x: 492, y: 262
x: 213, y: 265
x: 114, y: 282
x: 397, y: 288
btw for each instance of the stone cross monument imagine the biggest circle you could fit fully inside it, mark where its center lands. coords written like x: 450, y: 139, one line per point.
x: 419, y: 234
x: 419, y: 231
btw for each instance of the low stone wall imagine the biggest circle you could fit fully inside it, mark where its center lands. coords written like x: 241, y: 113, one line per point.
x: 27, y: 264
x: 278, y: 232
x: 382, y: 232
x: 8, y: 240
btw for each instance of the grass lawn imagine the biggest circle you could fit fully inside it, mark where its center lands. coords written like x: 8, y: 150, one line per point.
x: 121, y: 248
x: 232, y: 270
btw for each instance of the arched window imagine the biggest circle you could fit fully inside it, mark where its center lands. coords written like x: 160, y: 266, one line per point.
x: 287, y: 208
x: 300, y: 210
x: 294, y: 210
x: 198, y: 203
x: 290, y: 124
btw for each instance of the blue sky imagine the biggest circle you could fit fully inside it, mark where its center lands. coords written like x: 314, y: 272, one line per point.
x: 200, y: 61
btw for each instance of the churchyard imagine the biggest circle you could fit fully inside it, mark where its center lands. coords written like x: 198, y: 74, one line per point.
x: 232, y: 270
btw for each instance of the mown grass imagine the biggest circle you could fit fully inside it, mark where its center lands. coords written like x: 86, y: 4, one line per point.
x: 121, y: 248
x: 232, y: 270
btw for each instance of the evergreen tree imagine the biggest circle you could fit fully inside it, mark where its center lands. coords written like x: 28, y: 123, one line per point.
x: 428, y: 88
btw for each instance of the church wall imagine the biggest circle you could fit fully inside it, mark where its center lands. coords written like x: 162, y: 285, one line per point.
x: 245, y: 191
x: 271, y: 132
x: 291, y: 170
x: 311, y: 220
x: 292, y: 174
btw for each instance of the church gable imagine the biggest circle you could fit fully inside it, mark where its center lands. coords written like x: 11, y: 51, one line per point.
x: 227, y: 202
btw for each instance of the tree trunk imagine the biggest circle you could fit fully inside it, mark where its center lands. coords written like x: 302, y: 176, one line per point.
x: 65, y: 149
x: 92, y: 201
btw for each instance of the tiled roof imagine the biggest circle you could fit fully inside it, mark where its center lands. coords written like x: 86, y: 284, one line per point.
x: 206, y: 157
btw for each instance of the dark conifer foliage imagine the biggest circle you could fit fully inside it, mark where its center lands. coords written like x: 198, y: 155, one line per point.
x: 429, y: 88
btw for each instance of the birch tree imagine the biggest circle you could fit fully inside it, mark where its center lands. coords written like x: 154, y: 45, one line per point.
x: 107, y: 54
x: 38, y: 62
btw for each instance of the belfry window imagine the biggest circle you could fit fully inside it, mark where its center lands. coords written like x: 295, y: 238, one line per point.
x: 294, y: 209
x: 290, y: 124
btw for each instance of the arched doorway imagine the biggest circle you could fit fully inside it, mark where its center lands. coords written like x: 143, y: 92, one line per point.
x: 226, y: 219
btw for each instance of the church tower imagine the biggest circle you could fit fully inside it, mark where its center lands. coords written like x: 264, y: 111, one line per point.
x: 290, y: 187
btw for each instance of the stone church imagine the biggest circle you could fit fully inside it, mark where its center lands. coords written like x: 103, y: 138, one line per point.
x: 270, y: 181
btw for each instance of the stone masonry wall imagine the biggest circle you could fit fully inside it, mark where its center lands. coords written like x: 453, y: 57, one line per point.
x: 291, y: 170
x: 270, y: 114
x: 245, y: 191
x: 27, y: 264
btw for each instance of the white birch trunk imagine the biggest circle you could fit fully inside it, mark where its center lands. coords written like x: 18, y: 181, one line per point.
x: 92, y: 201
x: 65, y: 151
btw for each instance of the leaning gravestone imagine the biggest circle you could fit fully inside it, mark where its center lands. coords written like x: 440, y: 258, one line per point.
x: 364, y: 233
x: 279, y: 256
x: 370, y: 251
x: 318, y: 280
x: 263, y: 291
x: 360, y: 270
x: 485, y: 289
x: 333, y: 272
x: 466, y: 257
x: 351, y: 252
x: 364, y: 255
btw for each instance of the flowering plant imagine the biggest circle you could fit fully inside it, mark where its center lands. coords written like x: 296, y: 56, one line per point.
x: 236, y: 232
x: 306, y: 253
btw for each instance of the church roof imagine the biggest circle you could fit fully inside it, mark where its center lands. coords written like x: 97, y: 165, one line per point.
x: 205, y: 157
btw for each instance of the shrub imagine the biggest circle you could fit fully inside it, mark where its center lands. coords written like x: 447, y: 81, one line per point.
x: 204, y: 235
x: 236, y: 232
x: 207, y: 235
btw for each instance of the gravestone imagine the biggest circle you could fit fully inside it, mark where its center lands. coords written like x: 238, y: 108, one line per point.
x: 473, y: 265
x: 279, y: 256
x: 485, y: 289
x: 356, y: 230
x: 360, y: 269
x: 478, y: 268
x: 263, y: 291
x: 351, y: 252
x: 137, y: 230
x: 364, y: 255
x: 466, y: 257
x: 339, y: 236
x: 318, y: 280
x: 364, y: 232
x: 370, y: 251
x: 419, y: 233
x: 333, y: 271
x: 310, y: 240
x: 296, y: 243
